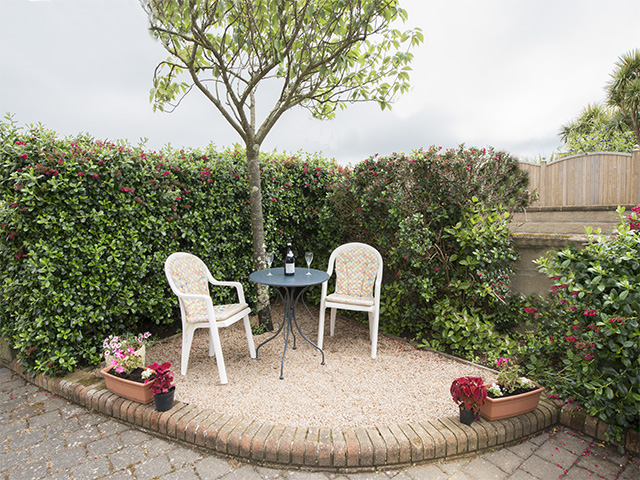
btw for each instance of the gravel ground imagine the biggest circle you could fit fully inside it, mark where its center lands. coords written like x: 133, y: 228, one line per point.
x: 403, y: 384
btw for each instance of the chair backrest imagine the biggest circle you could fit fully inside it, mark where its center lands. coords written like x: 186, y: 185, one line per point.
x: 187, y: 274
x: 358, y: 269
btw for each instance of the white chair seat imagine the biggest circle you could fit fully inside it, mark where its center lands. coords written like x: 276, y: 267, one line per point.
x: 198, y: 314
x: 350, y: 299
x: 189, y: 279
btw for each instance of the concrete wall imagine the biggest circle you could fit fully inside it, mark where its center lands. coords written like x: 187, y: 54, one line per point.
x: 531, y: 246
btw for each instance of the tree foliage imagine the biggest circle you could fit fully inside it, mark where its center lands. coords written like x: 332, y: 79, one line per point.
x: 623, y: 90
x: 317, y: 54
x: 612, y: 127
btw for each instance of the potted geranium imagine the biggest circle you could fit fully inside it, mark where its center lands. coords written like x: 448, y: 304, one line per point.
x: 123, y: 372
x: 160, y: 378
x: 469, y: 393
x: 511, y: 394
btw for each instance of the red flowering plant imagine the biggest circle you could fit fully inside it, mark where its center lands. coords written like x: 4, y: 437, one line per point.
x: 469, y: 393
x: 160, y: 377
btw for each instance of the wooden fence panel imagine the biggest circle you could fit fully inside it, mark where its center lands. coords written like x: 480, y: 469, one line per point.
x: 602, y: 179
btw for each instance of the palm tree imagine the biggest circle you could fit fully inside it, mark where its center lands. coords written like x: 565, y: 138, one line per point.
x: 623, y: 90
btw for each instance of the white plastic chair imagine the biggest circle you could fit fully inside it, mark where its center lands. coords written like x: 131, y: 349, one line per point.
x: 189, y: 279
x: 358, y: 281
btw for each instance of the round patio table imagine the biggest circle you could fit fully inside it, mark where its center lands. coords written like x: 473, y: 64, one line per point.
x: 290, y: 288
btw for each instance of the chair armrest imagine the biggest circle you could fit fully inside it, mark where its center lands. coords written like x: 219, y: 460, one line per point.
x: 194, y: 296
x: 237, y: 285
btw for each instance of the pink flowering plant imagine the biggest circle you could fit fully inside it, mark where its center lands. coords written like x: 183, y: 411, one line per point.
x: 160, y: 377
x: 122, y: 353
x: 509, y: 380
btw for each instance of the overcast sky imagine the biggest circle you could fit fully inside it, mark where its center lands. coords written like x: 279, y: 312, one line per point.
x: 501, y: 73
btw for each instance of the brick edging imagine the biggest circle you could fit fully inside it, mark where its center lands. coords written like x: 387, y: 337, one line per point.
x: 312, y: 448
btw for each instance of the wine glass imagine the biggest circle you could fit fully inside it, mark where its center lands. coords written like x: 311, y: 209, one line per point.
x: 269, y: 259
x: 308, y: 256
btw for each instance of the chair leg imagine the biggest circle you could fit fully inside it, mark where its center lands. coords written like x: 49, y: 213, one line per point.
x: 373, y: 332
x: 323, y: 310
x: 187, y: 339
x: 332, y: 326
x: 247, y: 329
x: 212, y: 350
x: 215, y: 337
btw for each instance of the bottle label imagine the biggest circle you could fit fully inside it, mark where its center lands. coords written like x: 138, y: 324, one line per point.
x: 289, y: 268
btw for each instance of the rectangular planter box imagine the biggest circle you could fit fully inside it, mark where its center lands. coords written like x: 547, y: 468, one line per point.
x: 505, y: 407
x: 138, y: 392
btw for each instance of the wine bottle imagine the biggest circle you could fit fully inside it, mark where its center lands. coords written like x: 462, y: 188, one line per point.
x: 289, y: 261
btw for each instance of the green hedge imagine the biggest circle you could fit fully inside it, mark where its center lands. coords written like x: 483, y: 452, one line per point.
x: 439, y: 219
x: 86, y: 227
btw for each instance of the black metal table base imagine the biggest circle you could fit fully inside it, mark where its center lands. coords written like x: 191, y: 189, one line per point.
x: 289, y: 302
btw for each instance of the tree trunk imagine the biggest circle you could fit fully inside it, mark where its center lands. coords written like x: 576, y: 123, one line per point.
x: 257, y: 232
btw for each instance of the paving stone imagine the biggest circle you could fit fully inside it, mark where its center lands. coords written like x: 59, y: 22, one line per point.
x: 104, y: 446
x: 246, y: 472
x: 577, y: 473
x: 522, y: 475
x: 127, y: 457
x: 13, y: 459
x: 112, y: 428
x: 26, y: 411
x: 540, y: 468
x: 460, y: 476
x: 599, y: 465
x: 46, y: 448
x: 26, y: 438
x: 271, y: 474
x: 59, y: 476
x: 82, y: 436
x: 44, y: 419
x: 69, y: 410
x: 62, y: 427
x: 67, y: 459
x: 181, y: 456
x: 151, y: 468
x: 504, y: 459
x: 185, y: 473
x: 481, y: 469
x: 119, y: 475
x: 453, y: 467
x: 523, y: 450
x: 432, y: 472
x: 12, y: 428
x: 134, y: 437
x: 157, y: 446
x: 29, y: 471
x: 631, y: 472
x: 299, y: 475
x: 212, y: 467
x: 92, y: 469
x: 569, y: 442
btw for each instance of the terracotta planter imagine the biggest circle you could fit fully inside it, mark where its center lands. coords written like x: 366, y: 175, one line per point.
x: 138, y: 392
x: 505, y: 407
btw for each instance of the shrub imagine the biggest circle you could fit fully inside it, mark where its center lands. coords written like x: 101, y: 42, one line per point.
x: 439, y: 220
x: 587, y: 334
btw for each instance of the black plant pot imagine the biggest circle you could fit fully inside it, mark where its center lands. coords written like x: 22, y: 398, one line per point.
x: 466, y: 416
x: 164, y: 401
